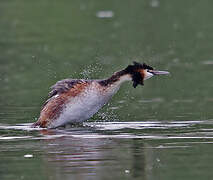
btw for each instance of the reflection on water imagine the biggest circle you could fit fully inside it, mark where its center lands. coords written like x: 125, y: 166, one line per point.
x: 162, y: 130
x: 121, y: 130
x: 98, y: 150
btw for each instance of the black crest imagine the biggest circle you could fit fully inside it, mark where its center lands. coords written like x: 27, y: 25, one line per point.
x: 136, y: 75
x: 136, y: 66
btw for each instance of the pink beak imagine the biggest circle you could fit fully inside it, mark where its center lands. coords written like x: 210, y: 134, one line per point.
x: 156, y: 72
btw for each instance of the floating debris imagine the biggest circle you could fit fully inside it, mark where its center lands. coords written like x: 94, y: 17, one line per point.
x: 127, y: 171
x: 28, y: 155
x: 104, y: 14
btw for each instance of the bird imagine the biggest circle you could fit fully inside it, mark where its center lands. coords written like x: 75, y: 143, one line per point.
x: 73, y: 101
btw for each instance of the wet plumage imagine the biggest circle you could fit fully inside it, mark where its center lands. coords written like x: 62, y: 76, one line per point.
x: 76, y: 100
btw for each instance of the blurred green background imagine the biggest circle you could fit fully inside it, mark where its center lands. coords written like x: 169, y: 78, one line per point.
x: 43, y: 41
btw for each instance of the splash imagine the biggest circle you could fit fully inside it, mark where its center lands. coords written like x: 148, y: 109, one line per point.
x: 91, y: 70
x: 109, y: 114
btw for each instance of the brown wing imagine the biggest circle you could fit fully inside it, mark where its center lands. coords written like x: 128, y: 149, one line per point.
x: 63, y: 86
x: 65, y: 89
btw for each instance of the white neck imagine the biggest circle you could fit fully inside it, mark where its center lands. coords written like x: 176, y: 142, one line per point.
x: 126, y: 77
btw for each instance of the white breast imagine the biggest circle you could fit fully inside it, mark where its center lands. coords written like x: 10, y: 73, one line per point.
x: 84, y: 106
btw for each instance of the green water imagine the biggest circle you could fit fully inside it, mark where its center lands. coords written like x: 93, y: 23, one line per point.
x: 163, y: 130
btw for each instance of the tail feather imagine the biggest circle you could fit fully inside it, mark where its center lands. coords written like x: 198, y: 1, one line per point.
x: 39, y: 123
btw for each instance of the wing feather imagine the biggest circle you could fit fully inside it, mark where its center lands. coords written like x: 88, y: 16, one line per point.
x: 62, y: 87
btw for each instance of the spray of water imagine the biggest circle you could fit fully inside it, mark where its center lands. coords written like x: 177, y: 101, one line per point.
x: 91, y: 71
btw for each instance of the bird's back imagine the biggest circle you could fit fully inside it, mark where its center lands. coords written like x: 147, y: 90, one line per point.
x: 73, y: 101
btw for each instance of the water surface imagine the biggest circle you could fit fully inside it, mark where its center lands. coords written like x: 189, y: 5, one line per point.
x: 162, y: 130
x: 112, y: 150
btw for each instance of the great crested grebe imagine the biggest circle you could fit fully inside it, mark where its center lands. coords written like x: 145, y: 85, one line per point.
x: 76, y: 100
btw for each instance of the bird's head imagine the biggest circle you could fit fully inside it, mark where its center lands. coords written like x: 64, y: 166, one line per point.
x: 140, y: 72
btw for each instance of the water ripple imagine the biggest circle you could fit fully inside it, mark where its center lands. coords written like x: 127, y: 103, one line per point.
x: 122, y: 130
